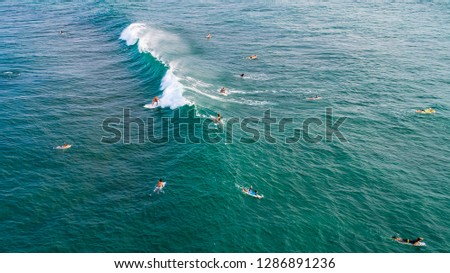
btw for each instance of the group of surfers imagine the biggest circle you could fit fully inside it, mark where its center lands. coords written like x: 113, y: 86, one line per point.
x: 250, y: 190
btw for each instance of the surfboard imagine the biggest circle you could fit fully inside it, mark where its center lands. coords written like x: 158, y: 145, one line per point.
x: 63, y: 147
x: 318, y: 98
x: 214, y: 119
x: 150, y: 106
x: 252, y: 194
x: 426, y: 111
x: 418, y: 244
x: 159, y: 189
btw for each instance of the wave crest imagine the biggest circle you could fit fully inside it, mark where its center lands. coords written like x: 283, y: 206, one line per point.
x: 163, y: 46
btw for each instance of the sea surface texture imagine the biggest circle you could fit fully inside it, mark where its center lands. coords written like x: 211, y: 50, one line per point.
x: 384, y: 172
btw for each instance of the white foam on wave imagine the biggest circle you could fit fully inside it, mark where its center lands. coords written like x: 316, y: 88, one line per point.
x: 132, y: 33
x: 173, y: 91
x: 196, y: 82
x: 256, y: 76
x: 170, y: 50
x: 235, y: 91
x: 221, y: 98
x: 163, y: 46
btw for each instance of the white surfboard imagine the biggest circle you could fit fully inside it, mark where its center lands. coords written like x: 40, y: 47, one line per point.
x: 418, y: 244
x: 159, y: 189
x: 252, y: 193
x: 151, y: 106
x: 314, y: 98
x: 62, y: 147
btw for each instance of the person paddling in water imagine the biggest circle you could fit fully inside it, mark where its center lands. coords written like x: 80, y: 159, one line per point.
x: 217, y: 119
x: 208, y: 36
x: 252, y: 191
x: 242, y: 75
x: 160, y: 183
x: 155, y: 101
x: 252, y: 57
x: 426, y: 111
x: 408, y: 241
x: 223, y: 90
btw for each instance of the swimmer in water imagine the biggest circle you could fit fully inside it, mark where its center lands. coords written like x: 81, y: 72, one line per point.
x: 252, y: 57
x: 223, y: 90
x: 242, y: 75
x: 208, y: 36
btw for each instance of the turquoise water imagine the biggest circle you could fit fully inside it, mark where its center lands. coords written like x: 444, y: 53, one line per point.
x: 372, y: 63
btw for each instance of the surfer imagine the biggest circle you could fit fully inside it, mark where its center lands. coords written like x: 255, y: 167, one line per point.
x: 61, y: 32
x: 155, y: 101
x: 160, y: 184
x: 408, y: 241
x: 242, y: 75
x: 222, y: 90
x: 426, y: 111
x: 208, y: 36
x: 252, y: 191
x: 64, y: 146
x: 217, y: 119
x: 316, y: 97
x: 252, y: 57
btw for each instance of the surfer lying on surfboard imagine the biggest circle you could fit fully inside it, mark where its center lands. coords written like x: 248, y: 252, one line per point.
x: 217, y: 119
x: 415, y: 242
x: 250, y: 191
x: 64, y: 146
x: 159, y: 186
x: 253, y: 57
x: 426, y: 111
x: 316, y: 97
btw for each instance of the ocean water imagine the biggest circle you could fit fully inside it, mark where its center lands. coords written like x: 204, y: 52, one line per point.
x: 372, y: 63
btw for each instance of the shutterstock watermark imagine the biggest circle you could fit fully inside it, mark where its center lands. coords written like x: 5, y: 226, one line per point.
x: 188, y: 127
